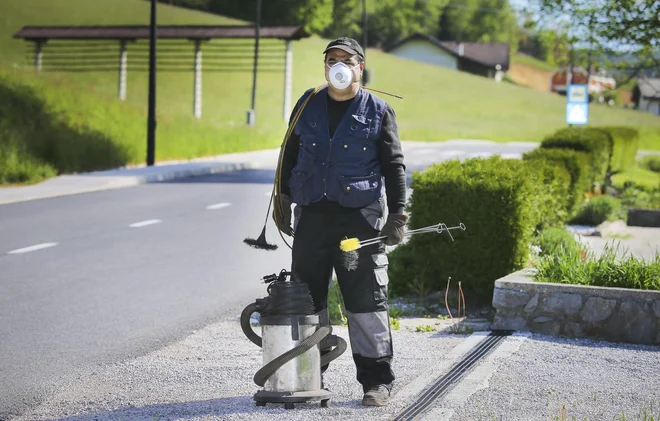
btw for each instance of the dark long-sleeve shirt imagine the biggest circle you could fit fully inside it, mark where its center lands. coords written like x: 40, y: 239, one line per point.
x: 389, y: 152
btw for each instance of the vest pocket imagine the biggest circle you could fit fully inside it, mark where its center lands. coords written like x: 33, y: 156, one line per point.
x: 298, y: 183
x: 360, y: 191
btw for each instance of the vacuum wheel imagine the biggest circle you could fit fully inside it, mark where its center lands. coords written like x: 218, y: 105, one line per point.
x: 289, y: 405
x: 325, y: 403
x: 259, y: 403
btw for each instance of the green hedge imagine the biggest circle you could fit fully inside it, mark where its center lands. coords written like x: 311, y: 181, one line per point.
x: 553, y: 186
x: 597, y: 144
x: 625, y: 142
x: 499, y: 201
x: 575, y: 163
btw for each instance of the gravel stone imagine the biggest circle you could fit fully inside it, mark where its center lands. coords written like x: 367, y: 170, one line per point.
x: 591, y: 379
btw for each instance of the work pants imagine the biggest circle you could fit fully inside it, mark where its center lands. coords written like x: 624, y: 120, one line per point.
x: 363, y: 284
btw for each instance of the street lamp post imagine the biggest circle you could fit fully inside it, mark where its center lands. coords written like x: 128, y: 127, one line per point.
x: 251, y: 113
x: 151, y: 118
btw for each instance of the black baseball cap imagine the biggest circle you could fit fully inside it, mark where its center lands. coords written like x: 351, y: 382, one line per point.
x: 349, y: 45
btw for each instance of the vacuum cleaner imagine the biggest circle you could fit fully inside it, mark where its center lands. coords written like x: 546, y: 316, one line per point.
x: 292, y: 339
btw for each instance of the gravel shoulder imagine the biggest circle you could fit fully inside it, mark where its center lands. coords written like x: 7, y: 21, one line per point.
x: 209, y: 376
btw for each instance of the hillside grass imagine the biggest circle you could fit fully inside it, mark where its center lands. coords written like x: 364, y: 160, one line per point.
x: 439, y: 104
x: 520, y: 58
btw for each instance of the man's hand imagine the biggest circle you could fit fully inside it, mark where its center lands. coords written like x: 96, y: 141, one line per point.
x: 282, y: 217
x: 394, y: 228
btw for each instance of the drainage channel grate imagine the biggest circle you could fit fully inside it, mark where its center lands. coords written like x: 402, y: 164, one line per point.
x: 445, y: 383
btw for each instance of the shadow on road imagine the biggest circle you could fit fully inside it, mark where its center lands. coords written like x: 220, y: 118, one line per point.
x: 250, y: 176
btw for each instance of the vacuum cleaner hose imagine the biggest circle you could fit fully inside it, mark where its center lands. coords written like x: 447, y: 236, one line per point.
x: 269, y: 369
x: 245, y: 324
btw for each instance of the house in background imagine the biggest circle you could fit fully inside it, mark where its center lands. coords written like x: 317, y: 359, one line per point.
x: 484, y: 59
x: 646, y: 95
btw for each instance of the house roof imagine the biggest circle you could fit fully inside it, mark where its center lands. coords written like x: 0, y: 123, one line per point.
x: 649, y: 88
x: 33, y: 33
x: 488, y: 54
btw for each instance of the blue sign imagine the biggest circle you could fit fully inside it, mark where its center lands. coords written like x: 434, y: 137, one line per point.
x: 577, y: 108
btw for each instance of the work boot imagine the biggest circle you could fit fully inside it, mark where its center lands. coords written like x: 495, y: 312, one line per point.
x: 377, y: 395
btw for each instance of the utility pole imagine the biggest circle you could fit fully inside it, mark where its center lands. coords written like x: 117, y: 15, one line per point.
x: 365, y: 78
x: 151, y: 118
x: 364, y: 26
x: 251, y: 112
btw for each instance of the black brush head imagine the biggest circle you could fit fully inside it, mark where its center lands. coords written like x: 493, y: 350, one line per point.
x: 260, y: 243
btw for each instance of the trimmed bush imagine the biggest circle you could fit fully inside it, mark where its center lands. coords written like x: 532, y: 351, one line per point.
x: 597, y: 144
x: 553, y: 183
x: 575, y: 163
x: 625, y: 142
x: 651, y: 163
x: 497, y: 200
x: 597, y: 210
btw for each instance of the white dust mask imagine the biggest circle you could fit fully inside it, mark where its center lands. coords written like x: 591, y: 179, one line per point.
x: 341, y: 76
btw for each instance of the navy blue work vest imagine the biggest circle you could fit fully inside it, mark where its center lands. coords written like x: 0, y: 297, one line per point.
x: 345, y: 168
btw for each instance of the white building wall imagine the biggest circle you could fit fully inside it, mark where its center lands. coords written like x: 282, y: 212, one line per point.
x: 426, y: 52
x: 650, y: 106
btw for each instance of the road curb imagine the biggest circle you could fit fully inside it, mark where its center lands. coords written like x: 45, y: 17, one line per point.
x: 67, y: 185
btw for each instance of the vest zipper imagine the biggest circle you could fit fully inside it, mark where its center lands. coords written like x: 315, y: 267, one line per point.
x: 327, y: 166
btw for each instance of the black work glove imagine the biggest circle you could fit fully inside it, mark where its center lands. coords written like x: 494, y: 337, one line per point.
x: 282, y: 217
x: 394, y: 228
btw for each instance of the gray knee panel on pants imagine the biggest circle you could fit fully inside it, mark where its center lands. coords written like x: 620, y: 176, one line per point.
x: 370, y: 334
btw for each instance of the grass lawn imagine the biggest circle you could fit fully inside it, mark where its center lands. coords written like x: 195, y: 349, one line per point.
x: 520, y: 58
x: 439, y: 104
x: 638, y: 175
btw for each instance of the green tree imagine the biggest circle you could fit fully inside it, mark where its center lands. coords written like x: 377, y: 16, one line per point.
x: 621, y: 34
x: 346, y: 19
x: 394, y: 20
x: 313, y: 15
x: 479, y: 21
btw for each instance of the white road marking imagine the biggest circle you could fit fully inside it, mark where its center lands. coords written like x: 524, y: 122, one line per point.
x: 32, y: 248
x: 218, y: 206
x: 145, y: 223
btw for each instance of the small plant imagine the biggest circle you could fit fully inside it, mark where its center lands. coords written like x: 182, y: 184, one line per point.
x: 461, y: 329
x: 636, y: 196
x: 651, y: 162
x: 336, y: 305
x: 421, y: 287
x: 394, y: 323
x: 551, y: 240
x: 597, y: 210
x: 425, y: 328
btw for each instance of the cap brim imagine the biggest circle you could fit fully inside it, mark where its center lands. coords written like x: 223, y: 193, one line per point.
x: 342, y: 47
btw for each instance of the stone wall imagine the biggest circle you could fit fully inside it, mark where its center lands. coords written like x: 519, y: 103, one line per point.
x: 611, y: 314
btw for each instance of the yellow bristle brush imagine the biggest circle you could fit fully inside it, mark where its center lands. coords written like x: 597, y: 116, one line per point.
x: 352, y: 244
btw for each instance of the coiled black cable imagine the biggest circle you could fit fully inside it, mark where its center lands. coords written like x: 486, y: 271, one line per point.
x: 286, y: 298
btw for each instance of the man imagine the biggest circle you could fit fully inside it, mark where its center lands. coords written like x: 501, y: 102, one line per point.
x: 343, y: 153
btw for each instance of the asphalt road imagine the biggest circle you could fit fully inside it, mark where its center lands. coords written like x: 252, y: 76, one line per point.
x: 96, y: 278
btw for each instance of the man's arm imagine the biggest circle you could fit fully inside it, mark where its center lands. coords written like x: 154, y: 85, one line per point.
x: 391, y: 163
x: 290, y: 156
